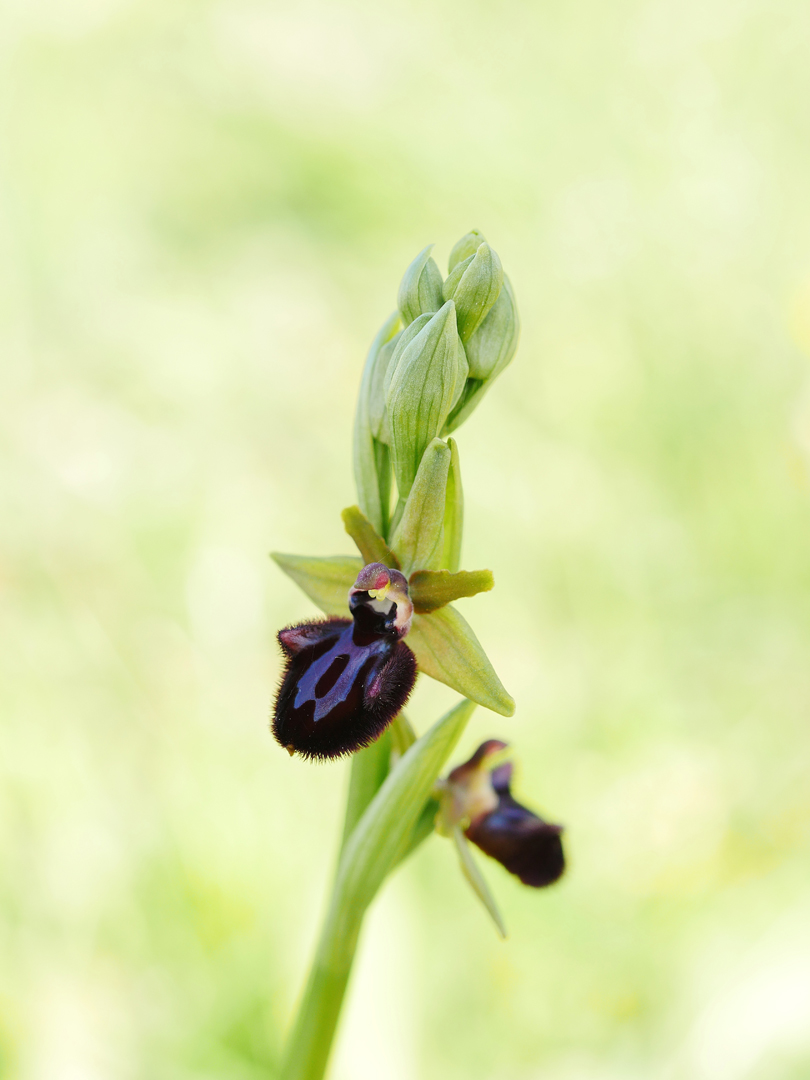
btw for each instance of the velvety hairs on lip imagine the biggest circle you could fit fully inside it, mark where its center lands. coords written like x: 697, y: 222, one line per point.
x: 346, y: 679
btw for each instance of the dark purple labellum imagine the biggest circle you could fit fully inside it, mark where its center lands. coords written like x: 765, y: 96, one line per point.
x: 521, y: 841
x: 345, y: 679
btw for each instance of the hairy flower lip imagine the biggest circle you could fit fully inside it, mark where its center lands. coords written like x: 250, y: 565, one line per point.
x: 478, y: 797
x: 346, y: 679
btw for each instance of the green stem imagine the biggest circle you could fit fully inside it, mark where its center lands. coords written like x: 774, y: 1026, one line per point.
x: 391, y: 826
x: 311, y: 1040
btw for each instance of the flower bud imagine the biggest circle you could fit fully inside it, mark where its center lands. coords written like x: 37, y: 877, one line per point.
x: 403, y: 339
x: 489, y: 351
x: 420, y: 291
x: 477, y: 796
x: 425, y: 373
x: 466, y: 246
x: 494, y: 343
x: 456, y: 274
x: 474, y: 284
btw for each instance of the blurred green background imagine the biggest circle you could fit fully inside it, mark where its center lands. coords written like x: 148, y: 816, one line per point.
x: 205, y: 211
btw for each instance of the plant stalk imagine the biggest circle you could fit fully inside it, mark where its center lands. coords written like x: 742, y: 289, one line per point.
x: 394, y: 822
x: 310, y: 1042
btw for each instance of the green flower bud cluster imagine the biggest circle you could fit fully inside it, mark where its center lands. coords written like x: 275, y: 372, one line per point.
x: 428, y: 368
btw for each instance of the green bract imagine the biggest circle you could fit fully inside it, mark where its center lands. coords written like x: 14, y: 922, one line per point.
x: 419, y: 535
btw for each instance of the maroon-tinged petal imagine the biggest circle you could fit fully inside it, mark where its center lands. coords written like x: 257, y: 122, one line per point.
x: 295, y: 638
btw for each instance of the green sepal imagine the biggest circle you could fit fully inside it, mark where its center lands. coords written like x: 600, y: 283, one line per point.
x: 325, y: 581
x: 420, y: 290
x: 475, y: 290
x: 466, y: 246
x: 369, y: 542
x: 495, y: 342
x: 371, y: 484
x: 453, y: 512
x: 427, y: 371
x: 476, y: 880
x: 418, y: 539
x: 447, y: 650
x: 432, y: 589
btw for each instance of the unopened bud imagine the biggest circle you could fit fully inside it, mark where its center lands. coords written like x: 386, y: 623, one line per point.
x: 425, y: 373
x: 466, y: 246
x: 420, y: 291
x: 474, y: 285
x: 494, y: 343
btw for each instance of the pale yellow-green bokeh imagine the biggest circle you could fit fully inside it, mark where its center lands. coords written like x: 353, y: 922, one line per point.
x: 205, y: 209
